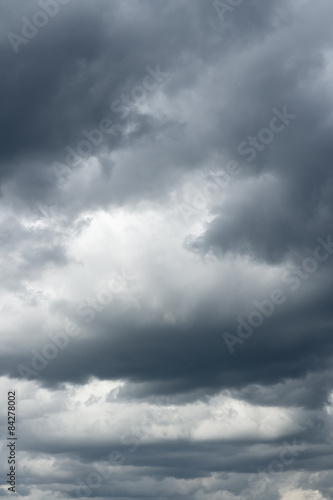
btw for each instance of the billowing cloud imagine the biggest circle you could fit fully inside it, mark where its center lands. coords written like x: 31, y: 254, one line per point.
x: 166, y: 247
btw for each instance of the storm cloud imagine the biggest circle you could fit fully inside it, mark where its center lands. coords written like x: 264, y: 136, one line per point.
x: 167, y: 248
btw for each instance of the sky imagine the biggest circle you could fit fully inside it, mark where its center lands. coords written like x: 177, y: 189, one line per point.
x: 167, y: 248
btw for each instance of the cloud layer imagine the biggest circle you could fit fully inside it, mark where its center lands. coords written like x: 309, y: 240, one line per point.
x: 166, y: 246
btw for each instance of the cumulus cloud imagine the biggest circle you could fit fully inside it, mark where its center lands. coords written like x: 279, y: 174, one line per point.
x: 166, y: 248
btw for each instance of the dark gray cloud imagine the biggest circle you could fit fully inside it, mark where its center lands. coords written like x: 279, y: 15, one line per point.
x: 201, y: 342
x: 290, y: 205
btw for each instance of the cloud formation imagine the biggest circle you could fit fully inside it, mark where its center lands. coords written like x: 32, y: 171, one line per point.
x: 166, y: 246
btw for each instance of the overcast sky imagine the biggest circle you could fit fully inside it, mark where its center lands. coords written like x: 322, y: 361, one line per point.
x: 167, y: 248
